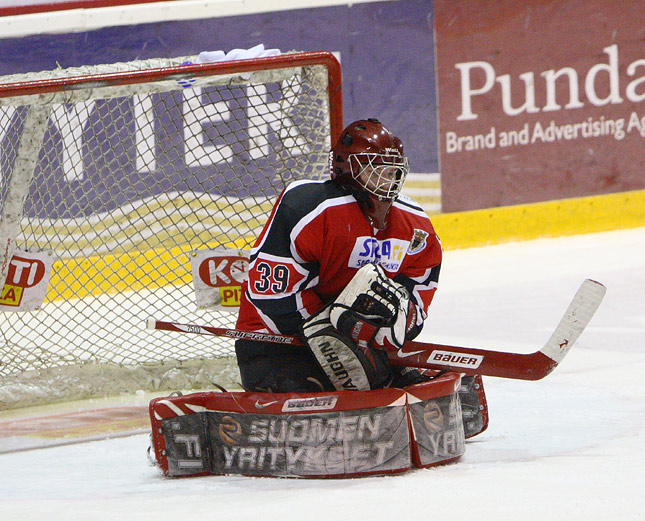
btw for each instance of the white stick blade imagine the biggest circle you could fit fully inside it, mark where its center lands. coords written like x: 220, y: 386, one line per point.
x: 575, y: 319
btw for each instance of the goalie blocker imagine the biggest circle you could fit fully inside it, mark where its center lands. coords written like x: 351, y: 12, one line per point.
x: 332, y: 434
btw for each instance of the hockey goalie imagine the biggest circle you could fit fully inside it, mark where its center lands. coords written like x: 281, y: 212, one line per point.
x: 340, y: 282
x: 351, y: 266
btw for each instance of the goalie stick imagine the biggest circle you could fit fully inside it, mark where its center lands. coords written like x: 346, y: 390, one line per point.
x: 466, y: 360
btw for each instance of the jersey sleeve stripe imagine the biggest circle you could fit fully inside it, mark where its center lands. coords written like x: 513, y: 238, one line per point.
x: 426, y: 282
x: 271, y: 326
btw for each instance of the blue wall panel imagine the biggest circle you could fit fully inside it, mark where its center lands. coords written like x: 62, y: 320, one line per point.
x: 386, y: 48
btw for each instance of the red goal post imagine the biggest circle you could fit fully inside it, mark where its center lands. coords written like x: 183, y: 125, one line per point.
x: 119, y: 173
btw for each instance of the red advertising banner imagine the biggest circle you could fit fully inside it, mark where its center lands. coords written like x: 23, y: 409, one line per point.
x: 539, y: 100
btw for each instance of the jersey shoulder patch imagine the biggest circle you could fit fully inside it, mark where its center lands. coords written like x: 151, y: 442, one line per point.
x: 418, y: 241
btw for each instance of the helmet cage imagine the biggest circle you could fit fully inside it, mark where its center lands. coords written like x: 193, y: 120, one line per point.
x: 381, y: 175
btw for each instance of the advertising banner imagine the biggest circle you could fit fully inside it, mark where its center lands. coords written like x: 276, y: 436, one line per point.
x: 539, y: 100
x: 27, y: 281
x: 385, y: 48
x: 218, y: 275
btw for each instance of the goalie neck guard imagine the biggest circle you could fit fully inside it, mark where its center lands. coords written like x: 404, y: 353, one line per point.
x: 369, y: 160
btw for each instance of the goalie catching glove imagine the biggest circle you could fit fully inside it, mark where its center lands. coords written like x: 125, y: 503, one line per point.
x: 373, y: 310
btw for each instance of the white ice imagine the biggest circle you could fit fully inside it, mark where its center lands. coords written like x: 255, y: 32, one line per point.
x: 571, y: 446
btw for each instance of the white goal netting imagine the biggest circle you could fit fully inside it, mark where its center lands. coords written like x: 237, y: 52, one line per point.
x: 121, y: 171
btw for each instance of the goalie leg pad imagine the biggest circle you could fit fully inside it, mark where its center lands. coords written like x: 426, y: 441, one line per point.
x: 301, y: 434
x: 474, y: 408
x: 347, y: 365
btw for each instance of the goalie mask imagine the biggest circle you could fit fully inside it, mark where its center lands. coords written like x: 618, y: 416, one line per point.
x: 369, y: 159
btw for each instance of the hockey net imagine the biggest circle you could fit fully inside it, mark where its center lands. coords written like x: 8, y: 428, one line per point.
x: 121, y: 171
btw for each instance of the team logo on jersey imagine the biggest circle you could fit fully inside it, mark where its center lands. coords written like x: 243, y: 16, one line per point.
x: 419, y: 241
x: 389, y: 253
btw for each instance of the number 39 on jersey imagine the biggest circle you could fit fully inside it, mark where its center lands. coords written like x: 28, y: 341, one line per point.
x: 274, y: 275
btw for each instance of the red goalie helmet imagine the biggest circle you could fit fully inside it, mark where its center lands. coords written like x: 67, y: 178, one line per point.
x: 370, y: 159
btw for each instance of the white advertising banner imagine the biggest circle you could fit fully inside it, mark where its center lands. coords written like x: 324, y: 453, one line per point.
x: 218, y: 275
x: 27, y: 281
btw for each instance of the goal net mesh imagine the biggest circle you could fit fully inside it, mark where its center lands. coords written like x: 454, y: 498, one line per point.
x: 120, y: 181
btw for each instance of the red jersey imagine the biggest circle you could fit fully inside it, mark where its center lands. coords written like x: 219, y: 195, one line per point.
x: 316, y: 239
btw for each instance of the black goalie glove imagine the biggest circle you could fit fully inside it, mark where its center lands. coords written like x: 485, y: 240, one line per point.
x: 373, y: 310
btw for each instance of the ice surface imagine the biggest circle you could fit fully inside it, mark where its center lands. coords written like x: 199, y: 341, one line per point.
x: 571, y: 446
